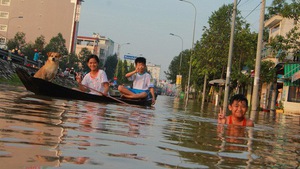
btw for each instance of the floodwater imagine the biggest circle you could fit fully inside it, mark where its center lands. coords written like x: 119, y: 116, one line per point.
x: 41, y: 132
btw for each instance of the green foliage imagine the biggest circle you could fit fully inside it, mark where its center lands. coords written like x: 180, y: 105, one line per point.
x: 283, y: 45
x: 210, y: 54
x: 69, y: 61
x: 18, y: 41
x: 110, y: 66
x: 288, y: 10
x: 174, y: 68
x: 82, y: 59
x: 267, y: 72
x: 57, y: 44
x: 40, y: 43
x: 14, y: 80
x: 131, y: 67
x: 119, y: 73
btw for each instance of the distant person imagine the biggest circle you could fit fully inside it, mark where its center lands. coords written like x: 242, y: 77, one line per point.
x: 96, y: 79
x: 238, y: 107
x: 16, y: 51
x: 142, y: 82
x: 36, y: 55
x: 66, y: 72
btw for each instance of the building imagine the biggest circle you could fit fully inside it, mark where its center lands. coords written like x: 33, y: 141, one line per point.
x: 98, y: 45
x: 36, y: 18
x: 288, y: 82
x: 154, y: 71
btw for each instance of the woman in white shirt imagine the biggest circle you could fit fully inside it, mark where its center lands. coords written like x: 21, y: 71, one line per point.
x: 96, y: 79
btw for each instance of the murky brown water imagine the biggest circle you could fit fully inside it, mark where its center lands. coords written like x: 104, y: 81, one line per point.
x: 40, y: 132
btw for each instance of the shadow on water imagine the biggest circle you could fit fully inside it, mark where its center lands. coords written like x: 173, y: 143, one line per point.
x: 39, y: 132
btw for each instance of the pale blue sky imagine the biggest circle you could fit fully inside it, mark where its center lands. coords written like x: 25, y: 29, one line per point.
x: 146, y: 24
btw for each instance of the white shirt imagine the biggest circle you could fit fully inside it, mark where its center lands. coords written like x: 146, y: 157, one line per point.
x: 95, y: 83
x: 141, y: 81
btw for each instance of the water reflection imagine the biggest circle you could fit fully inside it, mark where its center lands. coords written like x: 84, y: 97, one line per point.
x: 39, y: 132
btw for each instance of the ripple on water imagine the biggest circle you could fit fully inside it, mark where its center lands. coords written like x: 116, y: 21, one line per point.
x: 45, y: 132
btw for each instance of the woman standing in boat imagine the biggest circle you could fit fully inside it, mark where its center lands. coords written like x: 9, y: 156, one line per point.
x: 96, y: 79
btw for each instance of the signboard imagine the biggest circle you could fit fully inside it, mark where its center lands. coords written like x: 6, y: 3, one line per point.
x: 129, y: 57
x: 178, y: 79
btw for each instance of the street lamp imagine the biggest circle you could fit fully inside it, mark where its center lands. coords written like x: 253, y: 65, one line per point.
x: 119, y: 48
x: 190, y: 68
x: 181, y: 50
x: 17, y: 17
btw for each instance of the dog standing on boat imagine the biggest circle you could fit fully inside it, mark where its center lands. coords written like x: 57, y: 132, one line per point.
x: 49, y: 70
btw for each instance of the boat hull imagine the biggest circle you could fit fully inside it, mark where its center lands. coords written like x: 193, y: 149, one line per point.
x: 45, y: 88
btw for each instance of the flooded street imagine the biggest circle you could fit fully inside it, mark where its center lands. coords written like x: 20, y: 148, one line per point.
x: 42, y: 132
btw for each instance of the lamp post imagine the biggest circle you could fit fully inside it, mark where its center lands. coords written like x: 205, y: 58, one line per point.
x: 181, y: 50
x: 17, y: 17
x: 190, y: 67
x: 119, y: 48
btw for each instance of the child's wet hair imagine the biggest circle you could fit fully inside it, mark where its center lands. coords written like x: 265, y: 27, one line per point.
x: 140, y: 60
x: 239, y: 98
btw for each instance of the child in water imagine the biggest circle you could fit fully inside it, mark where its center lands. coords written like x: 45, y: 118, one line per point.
x: 238, y: 106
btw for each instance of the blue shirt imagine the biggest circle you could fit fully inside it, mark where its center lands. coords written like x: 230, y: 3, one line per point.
x: 36, y: 56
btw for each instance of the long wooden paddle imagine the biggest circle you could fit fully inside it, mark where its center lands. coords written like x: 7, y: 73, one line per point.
x: 120, y: 101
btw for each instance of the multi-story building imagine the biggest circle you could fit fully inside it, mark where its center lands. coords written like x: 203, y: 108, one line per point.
x: 288, y: 80
x: 98, y: 45
x: 154, y: 71
x: 40, y: 17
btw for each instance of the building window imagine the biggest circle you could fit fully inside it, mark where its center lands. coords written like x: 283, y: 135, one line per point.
x: 101, y: 51
x: 4, y: 15
x: 294, y: 94
x: 3, y: 28
x: 275, y: 28
x: 5, y: 2
x: 2, y: 40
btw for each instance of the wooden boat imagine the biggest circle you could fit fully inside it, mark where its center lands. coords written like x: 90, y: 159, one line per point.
x: 45, y: 88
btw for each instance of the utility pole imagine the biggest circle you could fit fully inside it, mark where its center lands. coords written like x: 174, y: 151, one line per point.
x: 192, y: 52
x: 226, y: 95
x: 255, y: 97
x: 204, y: 89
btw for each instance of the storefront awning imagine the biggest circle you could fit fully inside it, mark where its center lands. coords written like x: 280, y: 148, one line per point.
x: 296, y: 76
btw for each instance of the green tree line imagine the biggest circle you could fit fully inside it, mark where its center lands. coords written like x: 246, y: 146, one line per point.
x: 210, y: 54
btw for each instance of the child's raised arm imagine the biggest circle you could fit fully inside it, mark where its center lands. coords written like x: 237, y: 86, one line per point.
x: 221, y: 117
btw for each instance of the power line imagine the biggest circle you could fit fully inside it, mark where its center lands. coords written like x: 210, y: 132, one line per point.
x: 252, y: 10
x: 244, y: 3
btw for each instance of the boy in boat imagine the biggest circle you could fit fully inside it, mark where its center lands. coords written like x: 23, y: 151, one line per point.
x: 142, y: 82
x: 238, y: 106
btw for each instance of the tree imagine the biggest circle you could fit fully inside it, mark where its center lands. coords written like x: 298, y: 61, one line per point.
x: 57, y: 44
x: 111, y: 65
x: 287, y: 10
x: 119, y: 72
x: 268, y: 72
x: 282, y: 45
x: 173, y: 69
x: 18, y: 41
x: 70, y: 61
x: 82, y: 59
x: 39, y: 43
x: 211, y: 52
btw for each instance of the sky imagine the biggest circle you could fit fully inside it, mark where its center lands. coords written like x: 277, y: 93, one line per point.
x: 147, y: 24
